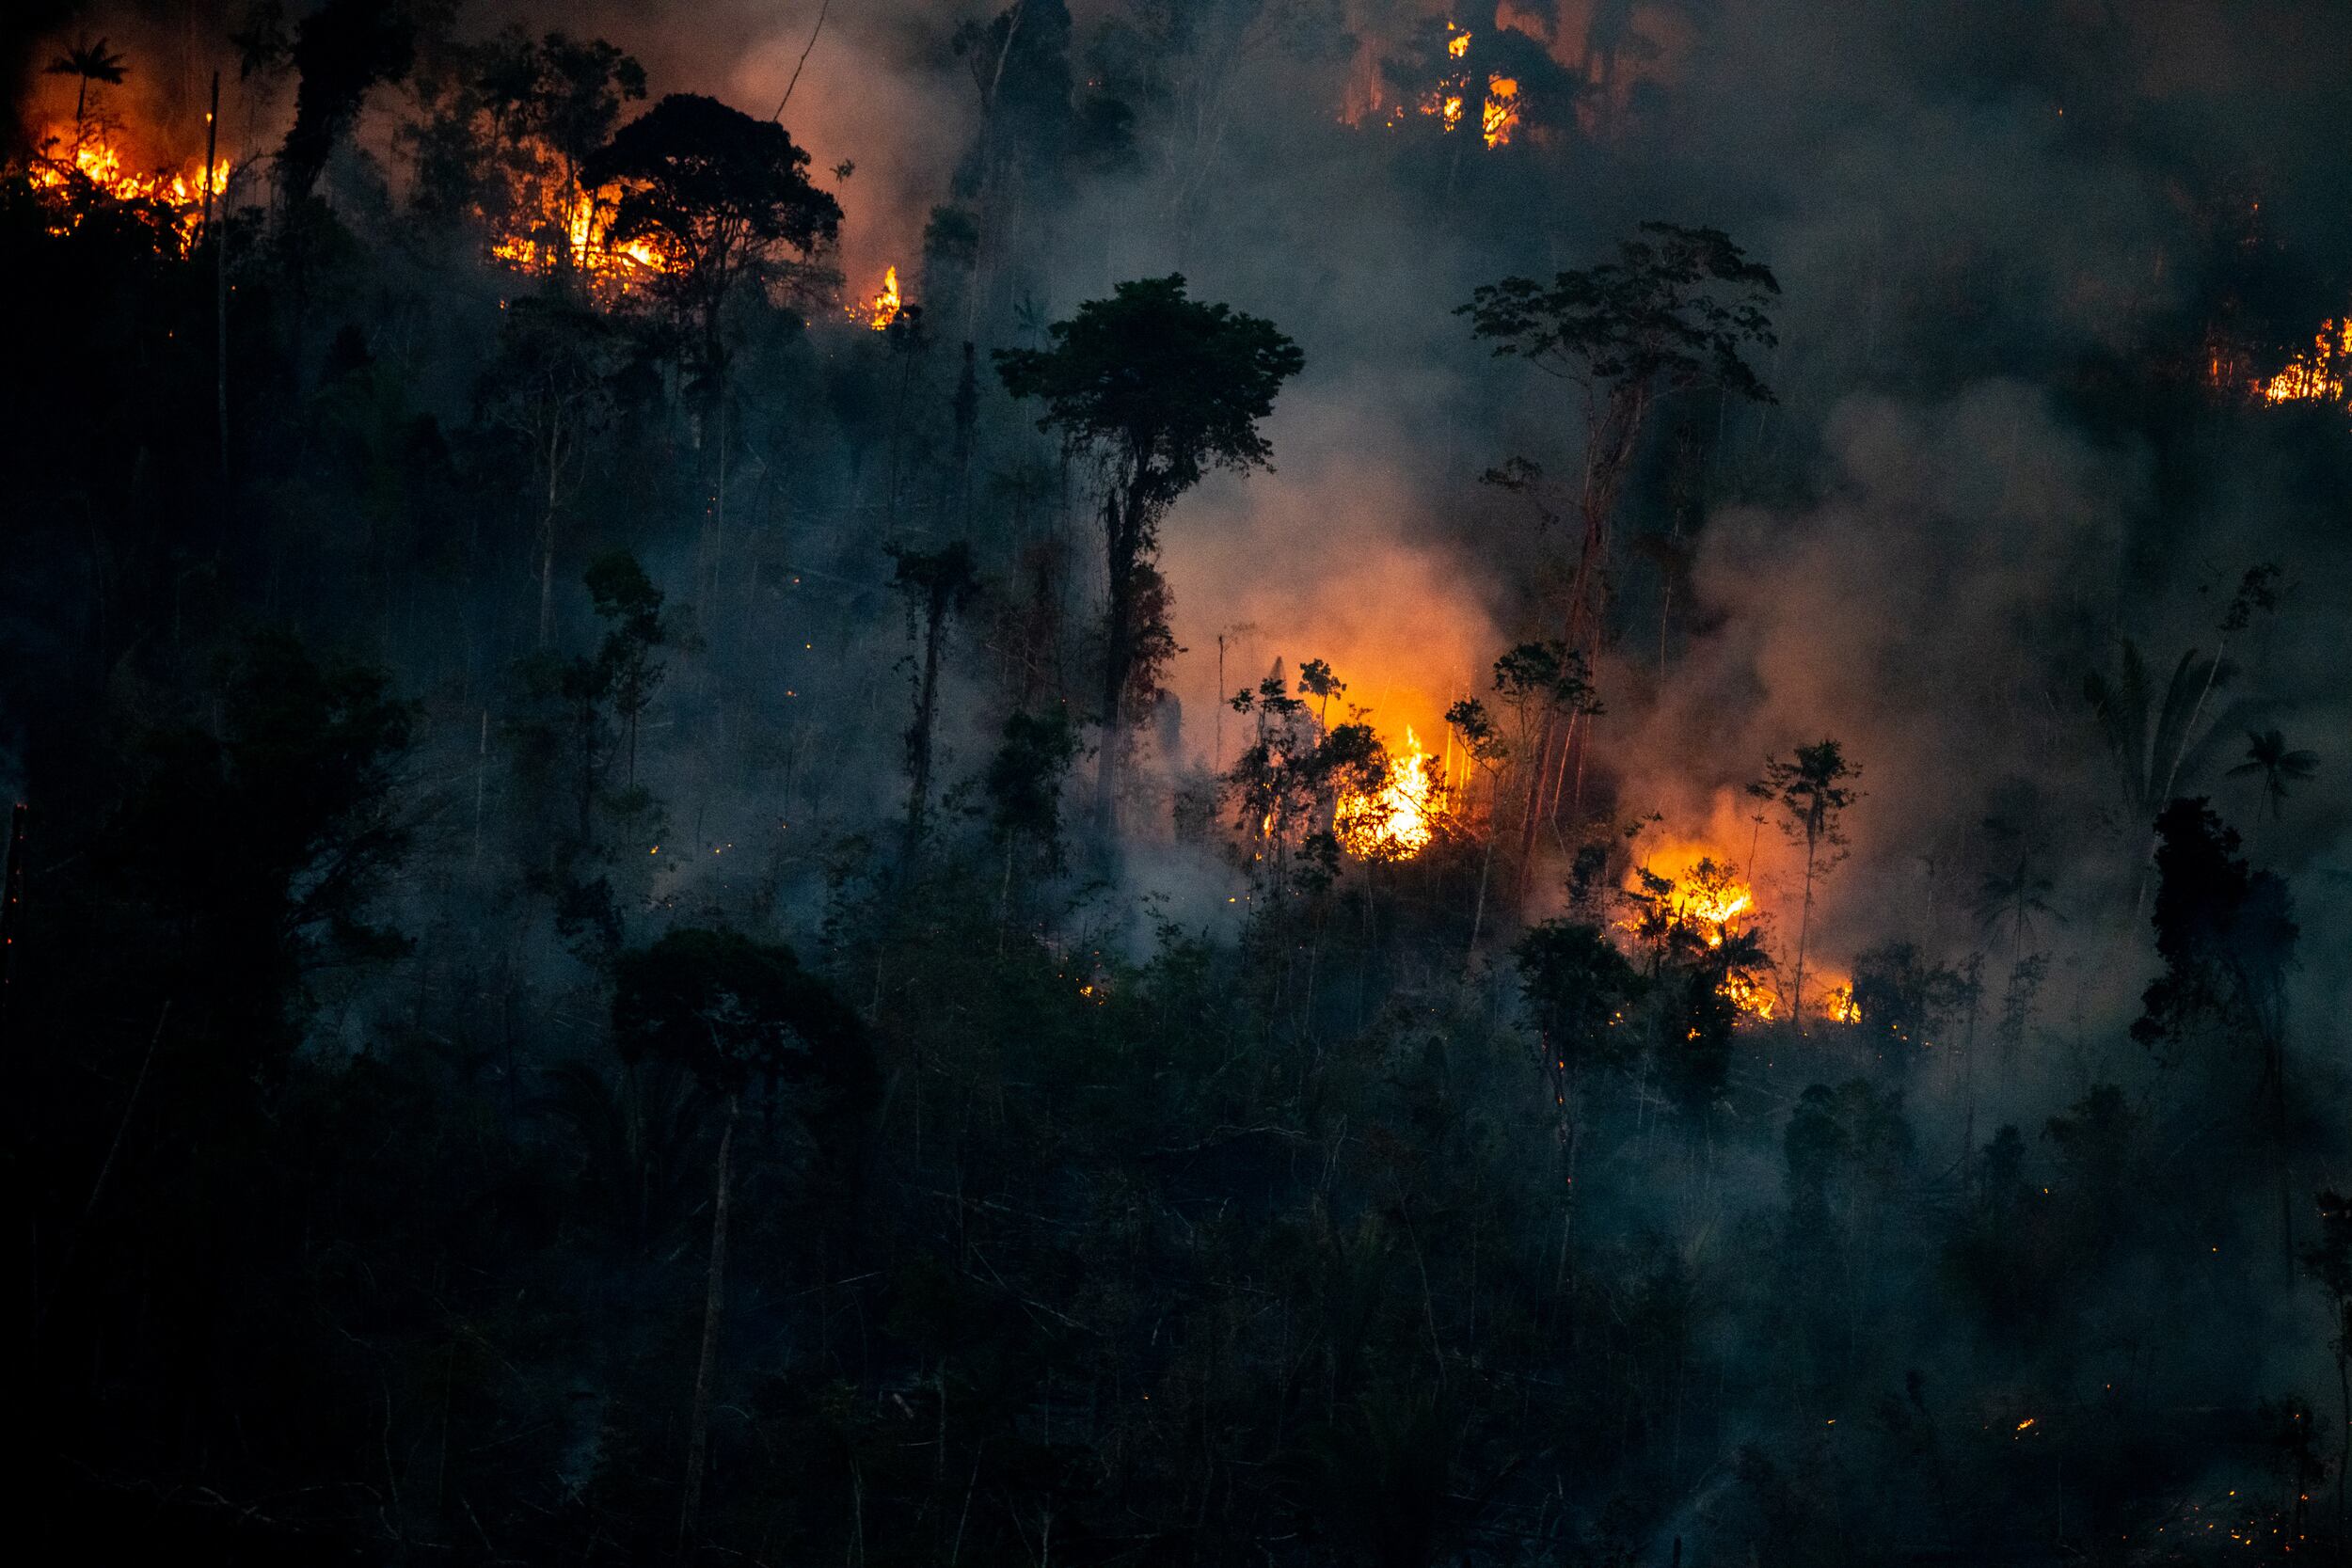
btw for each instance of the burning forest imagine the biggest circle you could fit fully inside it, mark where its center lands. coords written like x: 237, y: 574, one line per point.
x: 1072, y: 781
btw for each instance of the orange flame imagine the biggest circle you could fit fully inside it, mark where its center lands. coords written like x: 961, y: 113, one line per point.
x: 575, y: 229
x: 1835, y: 1002
x: 1503, y: 109
x: 95, y: 160
x: 1393, y: 822
x: 883, y: 308
x: 2319, y: 375
x: 1706, y: 897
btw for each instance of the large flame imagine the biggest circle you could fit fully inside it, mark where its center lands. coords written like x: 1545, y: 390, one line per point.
x: 883, y: 308
x: 2320, y: 374
x: 1704, y: 897
x: 1503, y: 109
x: 94, y: 159
x: 1395, y: 821
x: 574, y: 228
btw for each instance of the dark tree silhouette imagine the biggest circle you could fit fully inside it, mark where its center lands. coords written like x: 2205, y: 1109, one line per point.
x: 2227, y: 937
x: 937, y: 585
x: 1162, y: 389
x: 1675, y: 311
x: 2268, y: 759
x: 736, y: 1013
x: 341, y: 50
x: 87, y: 63
x: 551, y: 386
x: 1812, y: 790
x: 722, y: 194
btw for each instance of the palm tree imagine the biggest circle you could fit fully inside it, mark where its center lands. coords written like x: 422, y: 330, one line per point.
x: 2012, y: 898
x: 91, y: 63
x: 2267, y: 755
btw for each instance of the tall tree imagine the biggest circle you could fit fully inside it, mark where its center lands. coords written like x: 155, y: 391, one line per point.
x: 937, y: 585
x: 87, y: 63
x: 1675, y: 311
x: 2227, y: 936
x: 724, y: 196
x: 550, y: 385
x: 1812, y: 790
x: 340, y: 51
x: 1161, y: 389
x: 737, y: 1014
x: 2268, y: 759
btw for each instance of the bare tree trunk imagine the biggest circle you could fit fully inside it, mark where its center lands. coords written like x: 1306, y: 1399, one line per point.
x: 698, y: 1442
x: 219, y: 237
x: 1124, y: 542
x: 1804, y: 925
x: 919, y: 739
x: 547, y: 534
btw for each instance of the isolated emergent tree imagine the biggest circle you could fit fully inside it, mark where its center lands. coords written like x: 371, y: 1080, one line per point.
x: 1161, y: 387
x: 1672, y: 312
x: 87, y: 63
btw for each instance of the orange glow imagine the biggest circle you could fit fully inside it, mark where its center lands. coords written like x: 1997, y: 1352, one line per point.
x: 883, y: 308
x: 1450, y: 97
x: 574, y: 230
x: 1834, y: 1002
x: 2319, y: 374
x: 1503, y: 109
x: 1393, y: 823
x: 1705, y: 898
x: 96, y: 160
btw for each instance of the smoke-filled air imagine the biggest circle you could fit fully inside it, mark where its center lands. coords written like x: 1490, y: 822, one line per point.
x: 1177, y: 784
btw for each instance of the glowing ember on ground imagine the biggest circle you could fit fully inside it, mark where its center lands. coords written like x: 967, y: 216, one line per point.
x: 96, y: 160
x: 883, y: 308
x: 1394, y: 823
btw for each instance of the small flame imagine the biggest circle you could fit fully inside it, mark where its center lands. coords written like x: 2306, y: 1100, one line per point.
x: 1706, y: 898
x: 1458, y: 45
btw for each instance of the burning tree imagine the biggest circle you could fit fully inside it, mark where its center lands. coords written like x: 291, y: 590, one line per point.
x: 1161, y: 389
x: 721, y: 197
x: 1304, y: 786
x: 509, y: 127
